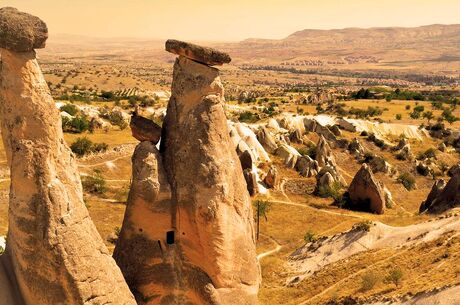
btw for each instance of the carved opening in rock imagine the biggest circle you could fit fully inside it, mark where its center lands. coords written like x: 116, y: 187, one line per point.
x: 170, y: 237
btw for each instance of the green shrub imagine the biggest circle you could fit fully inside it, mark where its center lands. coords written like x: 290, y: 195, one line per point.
x: 395, y: 276
x: 248, y: 117
x: 364, y: 226
x: 407, y: 180
x: 83, y: 146
x: 310, y: 237
x: 369, y: 280
x: 75, y: 125
x: 309, y: 150
x: 334, y: 191
x: 398, y: 116
x: 70, y: 109
x: 95, y: 183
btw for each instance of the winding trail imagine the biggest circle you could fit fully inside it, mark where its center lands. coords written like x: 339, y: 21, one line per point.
x: 104, y: 162
x: 277, y: 248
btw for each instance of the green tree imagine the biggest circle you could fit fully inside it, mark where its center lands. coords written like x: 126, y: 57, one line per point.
x: 262, y: 208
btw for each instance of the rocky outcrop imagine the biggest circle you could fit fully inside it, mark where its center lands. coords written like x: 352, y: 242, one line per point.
x: 289, y: 154
x: 328, y: 178
x: 366, y: 193
x: 307, y: 167
x: 443, y: 196
x: 54, y: 251
x: 267, y: 140
x: 206, y: 229
x: 144, y: 129
x: 272, y: 178
x: 356, y: 148
x: 324, y: 153
x: 206, y: 56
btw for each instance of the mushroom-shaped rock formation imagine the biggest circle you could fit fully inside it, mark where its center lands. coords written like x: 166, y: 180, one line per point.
x: 54, y: 252
x: 366, y: 193
x: 204, y: 55
x: 144, y: 129
x: 21, y: 32
x: 199, y: 246
x: 443, y: 198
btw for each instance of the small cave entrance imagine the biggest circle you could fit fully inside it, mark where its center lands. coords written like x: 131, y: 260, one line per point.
x: 170, y: 237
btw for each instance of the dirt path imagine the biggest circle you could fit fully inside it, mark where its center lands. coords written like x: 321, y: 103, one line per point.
x: 277, y: 248
x: 104, y: 162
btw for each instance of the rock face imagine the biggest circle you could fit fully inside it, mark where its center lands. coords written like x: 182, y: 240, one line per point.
x: 307, y: 167
x: 21, y: 32
x: 443, y: 198
x: 54, y: 250
x: 206, y: 230
x: 144, y: 129
x: 323, y: 153
x: 207, y: 56
x: 289, y: 154
x: 328, y: 177
x: 272, y: 178
x: 142, y: 251
x: 267, y: 140
x: 366, y: 193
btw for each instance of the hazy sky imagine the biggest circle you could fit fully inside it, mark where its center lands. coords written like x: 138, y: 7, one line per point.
x: 230, y: 19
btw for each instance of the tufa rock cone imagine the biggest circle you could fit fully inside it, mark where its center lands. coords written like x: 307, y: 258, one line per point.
x: 189, y: 217
x: 54, y: 252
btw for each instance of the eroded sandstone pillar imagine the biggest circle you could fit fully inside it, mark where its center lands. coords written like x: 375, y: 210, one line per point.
x: 56, y: 254
x: 211, y: 258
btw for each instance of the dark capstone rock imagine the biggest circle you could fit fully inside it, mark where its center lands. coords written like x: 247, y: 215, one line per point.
x: 144, y: 129
x: 21, y: 32
x: 204, y: 55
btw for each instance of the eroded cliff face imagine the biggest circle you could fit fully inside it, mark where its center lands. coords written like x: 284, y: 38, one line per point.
x: 55, y: 252
x: 195, y: 233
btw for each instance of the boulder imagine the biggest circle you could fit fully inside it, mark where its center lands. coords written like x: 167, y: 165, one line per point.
x: 366, y: 193
x: 442, y: 147
x: 204, y: 55
x: 21, y: 32
x: 144, y: 129
x: 272, y: 178
x: 55, y: 253
x: 356, y: 148
x: 379, y: 164
x: 329, y: 177
x: 210, y: 252
x: 289, y: 154
x: 307, y: 167
x: 295, y: 136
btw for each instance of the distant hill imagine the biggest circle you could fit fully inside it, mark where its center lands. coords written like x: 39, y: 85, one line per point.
x: 431, y: 43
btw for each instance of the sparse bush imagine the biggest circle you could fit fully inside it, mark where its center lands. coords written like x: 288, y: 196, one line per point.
x: 398, y: 116
x: 407, y: 180
x: 248, y: 117
x: 407, y: 107
x: 70, y: 109
x: 310, y: 237
x: 363, y: 226
x: 75, y: 125
x: 95, y: 183
x: 369, y: 280
x: 395, y: 276
x: 429, y: 153
x: 334, y: 191
x: 83, y: 146
x: 115, y: 118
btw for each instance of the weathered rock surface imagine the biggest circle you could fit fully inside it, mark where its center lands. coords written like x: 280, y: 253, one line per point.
x: 307, y: 167
x: 328, y: 177
x: 366, y: 193
x: 142, y: 250
x: 289, y: 154
x: 204, y: 55
x: 443, y: 198
x: 54, y: 250
x: 251, y: 181
x: 324, y: 153
x: 144, y: 129
x: 267, y: 140
x: 21, y: 32
x: 212, y: 258
x: 272, y: 179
